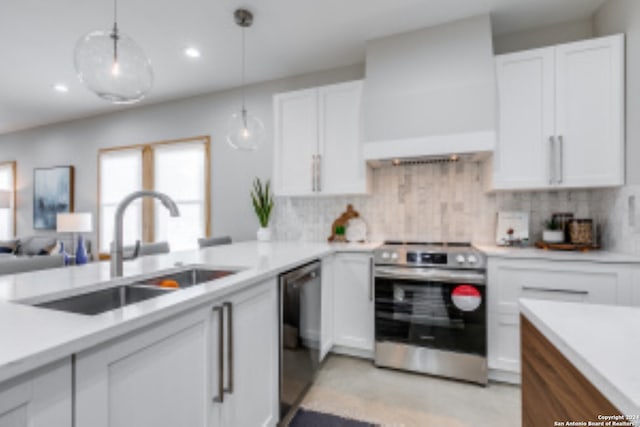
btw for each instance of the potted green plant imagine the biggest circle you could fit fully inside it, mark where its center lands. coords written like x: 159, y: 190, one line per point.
x: 553, y: 232
x: 263, y: 205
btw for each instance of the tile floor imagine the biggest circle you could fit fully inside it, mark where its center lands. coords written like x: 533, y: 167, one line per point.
x: 356, y: 389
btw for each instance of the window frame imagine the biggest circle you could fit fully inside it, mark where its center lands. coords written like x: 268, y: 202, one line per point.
x: 148, y: 174
x: 13, y: 165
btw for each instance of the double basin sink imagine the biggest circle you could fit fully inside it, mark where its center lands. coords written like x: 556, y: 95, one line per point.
x: 137, y: 290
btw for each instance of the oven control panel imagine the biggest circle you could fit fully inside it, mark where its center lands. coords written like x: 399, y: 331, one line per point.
x: 415, y: 256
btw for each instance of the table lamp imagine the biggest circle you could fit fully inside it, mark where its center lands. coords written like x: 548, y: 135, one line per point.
x: 76, y: 222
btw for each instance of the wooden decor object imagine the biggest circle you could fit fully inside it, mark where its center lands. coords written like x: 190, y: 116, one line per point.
x: 342, y: 221
x: 552, y: 388
x: 566, y: 247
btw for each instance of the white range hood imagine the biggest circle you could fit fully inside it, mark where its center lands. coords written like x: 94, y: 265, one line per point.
x: 431, y: 92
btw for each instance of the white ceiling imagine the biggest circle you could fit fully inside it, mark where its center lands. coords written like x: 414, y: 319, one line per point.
x: 289, y: 37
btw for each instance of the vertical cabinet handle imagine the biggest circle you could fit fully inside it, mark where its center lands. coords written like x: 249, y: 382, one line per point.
x: 560, y: 158
x: 552, y: 157
x: 220, y: 397
x: 319, y: 172
x: 229, y: 307
x: 313, y: 173
x: 371, y: 279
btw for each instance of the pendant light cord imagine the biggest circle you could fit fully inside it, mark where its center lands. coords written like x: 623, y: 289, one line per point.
x: 115, y: 31
x: 244, y: 108
x: 243, y: 68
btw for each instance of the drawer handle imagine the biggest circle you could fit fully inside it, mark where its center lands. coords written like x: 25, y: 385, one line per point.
x: 557, y: 291
x: 220, y: 397
x: 229, y: 307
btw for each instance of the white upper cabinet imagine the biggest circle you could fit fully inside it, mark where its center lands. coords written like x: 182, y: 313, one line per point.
x: 561, y: 116
x: 526, y: 94
x: 590, y: 112
x: 296, y: 142
x: 318, y: 146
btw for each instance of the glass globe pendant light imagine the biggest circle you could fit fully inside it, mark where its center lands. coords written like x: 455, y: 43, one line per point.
x: 112, y: 65
x: 244, y: 131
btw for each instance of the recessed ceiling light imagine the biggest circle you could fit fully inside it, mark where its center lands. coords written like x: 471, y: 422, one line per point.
x: 61, y: 88
x: 192, y: 52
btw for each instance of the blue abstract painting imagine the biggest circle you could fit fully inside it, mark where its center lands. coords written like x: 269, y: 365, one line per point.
x: 52, y: 194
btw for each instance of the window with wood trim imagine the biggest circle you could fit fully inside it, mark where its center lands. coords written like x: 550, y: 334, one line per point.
x: 7, y: 214
x: 180, y: 168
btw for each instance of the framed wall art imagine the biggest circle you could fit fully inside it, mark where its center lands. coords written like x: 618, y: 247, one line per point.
x: 52, y: 194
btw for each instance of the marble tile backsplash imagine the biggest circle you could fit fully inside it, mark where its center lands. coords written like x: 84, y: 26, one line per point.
x: 439, y: 202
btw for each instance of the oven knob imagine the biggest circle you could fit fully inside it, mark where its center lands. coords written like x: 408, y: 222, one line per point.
x: 385, y: 255
x: 460, y: 259
x: 394, y: 256
x: 472, y: 259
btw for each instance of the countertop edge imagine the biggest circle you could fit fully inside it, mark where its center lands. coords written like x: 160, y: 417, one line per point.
x: 531, y: 253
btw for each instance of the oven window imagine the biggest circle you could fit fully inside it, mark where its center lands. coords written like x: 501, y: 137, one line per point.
x: 444, y: 316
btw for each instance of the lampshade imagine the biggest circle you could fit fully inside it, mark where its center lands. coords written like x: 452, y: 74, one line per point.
x: 245, y: 131
x: 122, y: 76
x: 76, y: 222
x: 5, y: 199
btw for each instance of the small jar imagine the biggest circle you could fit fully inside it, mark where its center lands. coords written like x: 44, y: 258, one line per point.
x: 581, y: 231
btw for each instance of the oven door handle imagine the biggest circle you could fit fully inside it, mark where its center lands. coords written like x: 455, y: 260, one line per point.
x: 431, y: 275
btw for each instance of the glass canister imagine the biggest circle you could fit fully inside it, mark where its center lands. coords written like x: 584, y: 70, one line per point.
x: 581, y: 231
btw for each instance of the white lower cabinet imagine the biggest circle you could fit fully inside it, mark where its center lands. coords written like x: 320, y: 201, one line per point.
x: 251, y: 364
x: 326, y: 304
x: 353, y: 306
x: 39, y: 399
x: 512, y: 279
x: 169, y: 375
x: 155, y: 378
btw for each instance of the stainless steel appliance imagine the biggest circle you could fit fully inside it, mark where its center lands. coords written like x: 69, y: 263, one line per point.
x: 430, y: 309
x: 299, y: 333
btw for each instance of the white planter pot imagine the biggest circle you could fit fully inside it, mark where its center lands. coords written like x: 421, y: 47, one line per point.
x: 553, y: 236
x: 264, y: 234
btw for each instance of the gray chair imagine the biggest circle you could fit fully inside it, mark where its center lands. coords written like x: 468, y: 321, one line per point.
x: 214, y: 241
x: 23, y: 264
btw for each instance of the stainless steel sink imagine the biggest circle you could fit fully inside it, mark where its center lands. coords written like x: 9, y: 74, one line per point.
x: 186, y: 278
x: 134, y: 291
x: 105, y: 299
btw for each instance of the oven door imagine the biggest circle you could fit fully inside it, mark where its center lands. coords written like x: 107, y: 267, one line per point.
x: 433, y: 308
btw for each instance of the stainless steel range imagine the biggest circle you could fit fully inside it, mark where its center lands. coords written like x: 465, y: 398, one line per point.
x: 430, y: 309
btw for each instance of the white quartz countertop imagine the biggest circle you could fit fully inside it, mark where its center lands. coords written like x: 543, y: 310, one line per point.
x: 31, y: 337
x: 601, y: 341
x: 535, y: 253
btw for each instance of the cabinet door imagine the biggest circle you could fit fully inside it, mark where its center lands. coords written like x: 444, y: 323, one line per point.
x: 39, y: 399
x: 510, y: 280
x: 155, y: 378
x: 353, y: 301
x: 296, y: 142
x: 590, y: 112
x: 526, y: 119
x: 342, y: 166
x: 252, y: 380
x: 326, y: 333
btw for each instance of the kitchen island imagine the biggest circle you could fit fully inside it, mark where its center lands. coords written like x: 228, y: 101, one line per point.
x: 579, y: 363
x: 197, y: 352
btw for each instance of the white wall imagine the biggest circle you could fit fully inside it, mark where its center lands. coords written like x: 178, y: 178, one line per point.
x: 623, y: 16
x: 546, y: 36
x: 76, y: 143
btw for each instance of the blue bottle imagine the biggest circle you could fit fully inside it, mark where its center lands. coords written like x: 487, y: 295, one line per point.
x: 64, y: 253
x: 81, y: 252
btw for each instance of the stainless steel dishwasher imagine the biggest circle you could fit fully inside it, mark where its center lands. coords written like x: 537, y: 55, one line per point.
x: 300, y: 291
